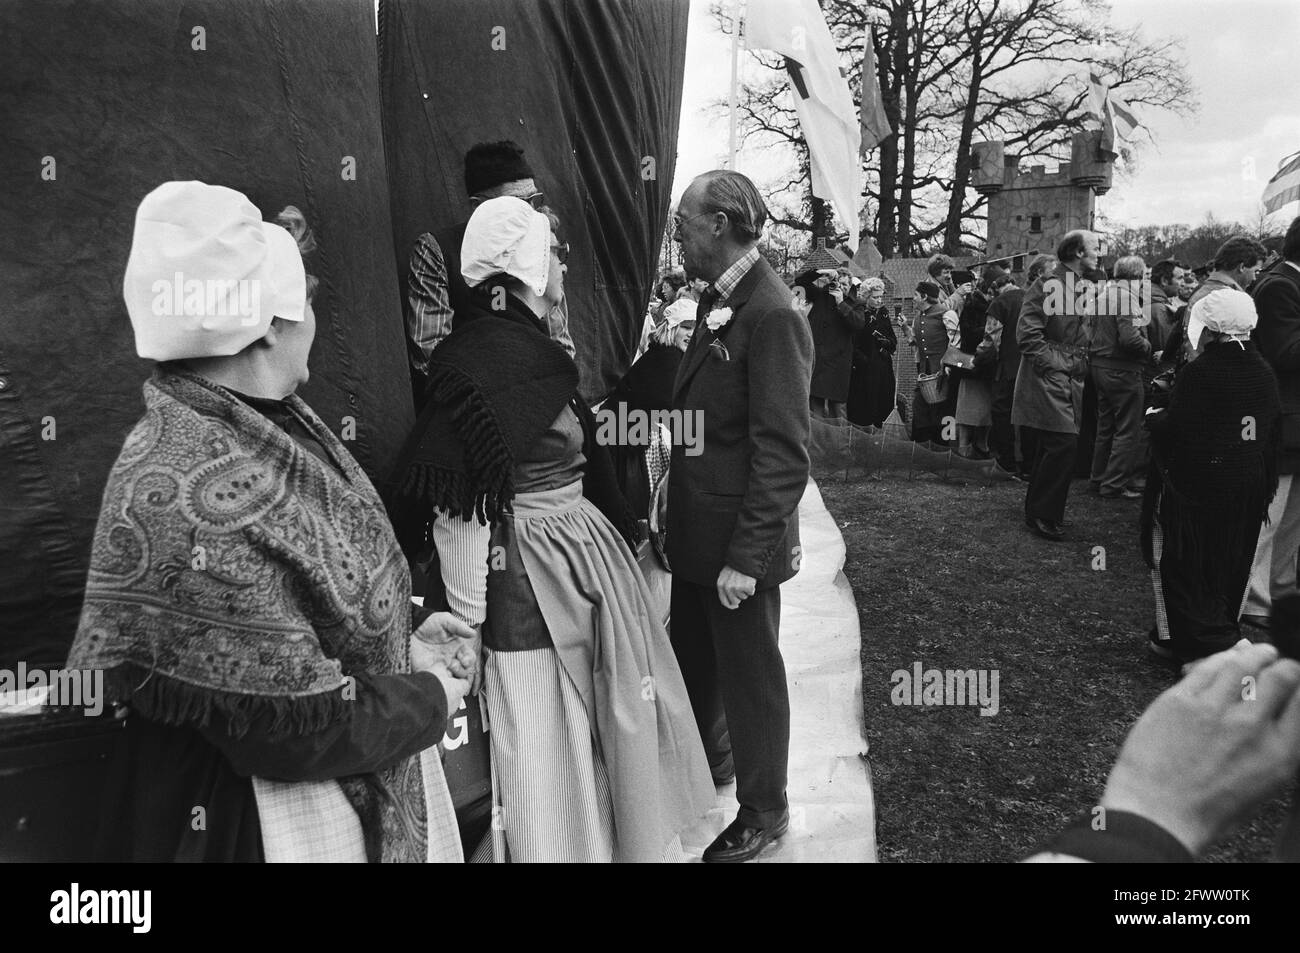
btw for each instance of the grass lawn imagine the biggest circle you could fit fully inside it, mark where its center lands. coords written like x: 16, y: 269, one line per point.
x: 947, y: 575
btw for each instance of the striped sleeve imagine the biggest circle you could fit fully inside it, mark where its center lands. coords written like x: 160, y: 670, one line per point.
x: 463, y: 561
x: 428, y: 313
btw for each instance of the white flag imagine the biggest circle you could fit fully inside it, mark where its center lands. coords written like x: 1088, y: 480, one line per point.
x: 797, y: 30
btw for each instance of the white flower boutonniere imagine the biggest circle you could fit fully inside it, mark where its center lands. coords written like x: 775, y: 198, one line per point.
x: 717, y: 319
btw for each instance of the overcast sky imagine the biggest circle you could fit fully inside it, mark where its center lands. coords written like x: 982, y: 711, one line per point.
x: 1241, y: 57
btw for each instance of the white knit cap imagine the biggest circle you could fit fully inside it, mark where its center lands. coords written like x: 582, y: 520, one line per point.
x: 506, y: 236
x: 1227, y: 311
x: 206, y: 275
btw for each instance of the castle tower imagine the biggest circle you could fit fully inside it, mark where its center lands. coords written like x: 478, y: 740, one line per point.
x: 1031, y: 210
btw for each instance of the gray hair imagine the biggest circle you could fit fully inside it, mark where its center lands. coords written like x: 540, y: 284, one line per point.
x: 870, y: 285
x: 1130, y: 267
x: 294, y: 222
x: 738, y: 198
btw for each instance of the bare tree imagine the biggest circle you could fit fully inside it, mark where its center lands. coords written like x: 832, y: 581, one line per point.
x: 951, y: 71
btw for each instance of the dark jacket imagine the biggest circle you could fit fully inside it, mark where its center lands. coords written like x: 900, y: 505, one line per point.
x: 736, y: 504
x: 1000, y: 334
x: 1163, y: 318
x: 646, y: 387
x: 1053, y: 361
x: 1277, y: 299
x: 872, y: 385
x: 930, y: 338
x: 1116, y: 343
x: 832, y: 327
x: 458, y: 292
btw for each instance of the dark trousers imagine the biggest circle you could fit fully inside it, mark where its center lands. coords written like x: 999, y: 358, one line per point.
x: 1049, y: 479
x: 1002, y: 438
x: 735, y: 677
x: 1116, y: 460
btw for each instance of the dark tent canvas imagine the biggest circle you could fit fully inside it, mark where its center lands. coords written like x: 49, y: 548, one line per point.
x: 99, y: 103
x: 591, y: 91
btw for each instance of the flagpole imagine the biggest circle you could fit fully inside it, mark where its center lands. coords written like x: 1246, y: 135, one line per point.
x: 735, y: 63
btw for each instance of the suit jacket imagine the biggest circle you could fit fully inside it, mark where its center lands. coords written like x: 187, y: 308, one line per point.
x: 1053, y: 360
x: 1277, y: 299
x: 736, y: 503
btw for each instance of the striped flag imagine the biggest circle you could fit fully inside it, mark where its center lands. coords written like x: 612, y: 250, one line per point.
x: 1284, y: 187
x: 1119, y: 123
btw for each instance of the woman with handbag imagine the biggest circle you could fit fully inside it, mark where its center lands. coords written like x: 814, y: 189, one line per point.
x: 934, y: 330
x: 975, y: 391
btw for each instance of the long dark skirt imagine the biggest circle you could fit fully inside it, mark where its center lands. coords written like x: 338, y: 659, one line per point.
x: 871, y: 389
x: 1198, y: 600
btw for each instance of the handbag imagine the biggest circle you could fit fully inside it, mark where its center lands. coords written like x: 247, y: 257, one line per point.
x: 956, y: 357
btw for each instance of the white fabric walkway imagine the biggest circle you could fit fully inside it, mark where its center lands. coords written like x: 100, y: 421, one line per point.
x: 832, y: 814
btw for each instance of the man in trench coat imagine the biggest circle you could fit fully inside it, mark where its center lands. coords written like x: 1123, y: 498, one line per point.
x: 1054, y: 331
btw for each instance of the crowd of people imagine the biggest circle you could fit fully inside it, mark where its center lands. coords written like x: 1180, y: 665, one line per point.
x: 249, y: 593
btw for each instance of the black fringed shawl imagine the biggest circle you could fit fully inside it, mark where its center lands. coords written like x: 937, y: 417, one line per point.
x: 1214, y: 454
x: 495, y: 384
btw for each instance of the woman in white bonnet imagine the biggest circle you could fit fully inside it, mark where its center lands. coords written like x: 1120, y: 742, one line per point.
x: 595, y: 753
x: 247, y: 600
x: 1213, y: 473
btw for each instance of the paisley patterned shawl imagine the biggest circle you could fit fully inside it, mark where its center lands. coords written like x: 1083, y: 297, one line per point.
x: 233, y: 572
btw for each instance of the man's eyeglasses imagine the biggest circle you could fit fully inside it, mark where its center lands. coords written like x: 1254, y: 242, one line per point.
x: 561, y: 252
x: 678, y: 221
x: 537, y: 200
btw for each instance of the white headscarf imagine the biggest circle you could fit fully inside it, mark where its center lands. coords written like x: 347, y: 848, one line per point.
x: 1227, y: 311
x: 506, y: 236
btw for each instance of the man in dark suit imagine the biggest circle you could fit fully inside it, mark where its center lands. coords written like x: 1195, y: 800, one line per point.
x: 1277, y: 335
x: 733, y: 530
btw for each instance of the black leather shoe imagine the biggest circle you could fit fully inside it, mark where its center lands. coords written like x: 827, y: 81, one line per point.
x: 1049, y: 530
x: 739, y: 843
